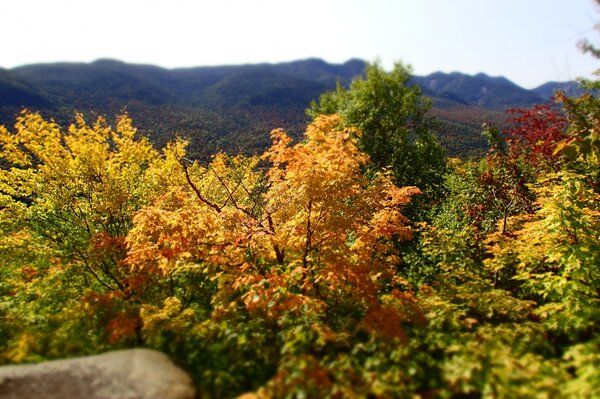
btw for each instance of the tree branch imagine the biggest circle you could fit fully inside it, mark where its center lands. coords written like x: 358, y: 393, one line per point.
x: 193, y: 186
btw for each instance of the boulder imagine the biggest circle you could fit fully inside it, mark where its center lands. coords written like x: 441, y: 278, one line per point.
x: 126, y: 374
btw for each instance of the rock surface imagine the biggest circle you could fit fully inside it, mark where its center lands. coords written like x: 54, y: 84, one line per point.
x: 126, y: 374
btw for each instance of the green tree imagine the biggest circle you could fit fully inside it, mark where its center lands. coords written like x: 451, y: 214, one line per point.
x: 396, y: 131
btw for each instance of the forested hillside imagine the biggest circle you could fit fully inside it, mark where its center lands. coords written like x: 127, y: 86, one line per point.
x: 218, y: 108
x: 233, y: 108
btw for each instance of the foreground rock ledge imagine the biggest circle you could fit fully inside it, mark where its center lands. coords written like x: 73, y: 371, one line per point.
x: 126, y: 374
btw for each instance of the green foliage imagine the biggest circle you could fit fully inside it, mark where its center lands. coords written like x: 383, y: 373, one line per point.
x: 583, y: 143
x: 508, y: 271
x: 396, y: 132
x: 555, y: 256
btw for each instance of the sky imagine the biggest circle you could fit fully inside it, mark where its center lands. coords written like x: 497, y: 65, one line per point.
x: 528, y: 41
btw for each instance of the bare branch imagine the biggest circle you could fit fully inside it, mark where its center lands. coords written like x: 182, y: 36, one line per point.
x: 193, y: 186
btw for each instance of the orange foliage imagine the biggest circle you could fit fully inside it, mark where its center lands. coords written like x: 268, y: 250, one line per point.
x: 122, y: 326
x: 312, y: 230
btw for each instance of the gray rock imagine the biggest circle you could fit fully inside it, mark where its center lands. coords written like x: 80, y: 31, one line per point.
x: 126, y: 374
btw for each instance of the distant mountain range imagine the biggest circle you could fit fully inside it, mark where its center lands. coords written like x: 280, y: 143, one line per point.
x: 233, y: 108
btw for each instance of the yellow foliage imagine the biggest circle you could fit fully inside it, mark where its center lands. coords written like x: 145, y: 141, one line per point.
x: 314, y: 226
x: 77, y: 189
x: 21, y: 349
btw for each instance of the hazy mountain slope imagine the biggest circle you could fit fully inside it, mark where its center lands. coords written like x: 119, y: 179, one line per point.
x: 234, y: 107
x: 14, y: 92
x: 547, y: 90
x: 494, y: 93
x: 100, y: 83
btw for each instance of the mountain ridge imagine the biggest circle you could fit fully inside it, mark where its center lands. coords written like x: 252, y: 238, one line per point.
x: 233, y: 107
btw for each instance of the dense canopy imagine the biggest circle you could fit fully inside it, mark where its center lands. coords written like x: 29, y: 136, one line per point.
x: 309, y: 271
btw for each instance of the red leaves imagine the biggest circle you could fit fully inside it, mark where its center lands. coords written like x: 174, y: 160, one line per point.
x: 385, y: 321
x: 103, y: 245
x: 112, y: 313
x: 389, y: 320
x: 29, y: 273
x: 535, y: 134
x: 122, y: 326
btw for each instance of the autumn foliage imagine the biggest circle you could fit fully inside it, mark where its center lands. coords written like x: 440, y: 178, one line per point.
x: 297, y: 273
x: 310, y: 232
x: 535, y: 133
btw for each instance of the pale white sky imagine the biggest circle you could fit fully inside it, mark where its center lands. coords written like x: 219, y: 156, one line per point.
x: 528, y: 41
